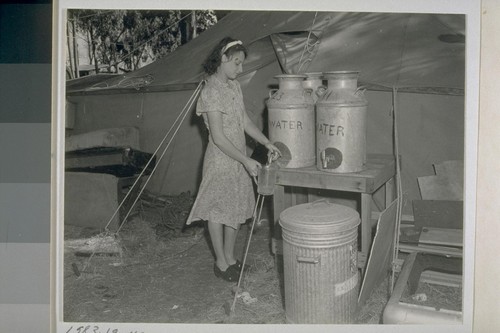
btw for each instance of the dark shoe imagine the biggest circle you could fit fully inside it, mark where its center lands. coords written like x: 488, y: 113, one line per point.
x: 230, y: 274
x: 238, y: 265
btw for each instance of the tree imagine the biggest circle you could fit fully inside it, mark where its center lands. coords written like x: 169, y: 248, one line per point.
x: 96, y: 27
x: 126, y: 39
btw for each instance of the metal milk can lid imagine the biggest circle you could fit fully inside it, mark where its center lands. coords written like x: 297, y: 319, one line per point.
x: 319, y: 217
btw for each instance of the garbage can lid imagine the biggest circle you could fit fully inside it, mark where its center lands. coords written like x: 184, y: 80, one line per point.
x: 319, y: 217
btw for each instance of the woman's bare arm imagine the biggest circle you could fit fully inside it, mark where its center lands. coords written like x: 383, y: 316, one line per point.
x: 226, y: 146
x: 255, y: 133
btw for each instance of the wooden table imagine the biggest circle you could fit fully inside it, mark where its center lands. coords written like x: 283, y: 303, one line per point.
x: 379, y: 173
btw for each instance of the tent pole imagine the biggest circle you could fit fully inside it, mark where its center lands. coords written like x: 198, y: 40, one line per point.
x: 398, y: 187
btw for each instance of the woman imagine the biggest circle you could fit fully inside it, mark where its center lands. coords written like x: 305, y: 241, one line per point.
x: 226, y: 197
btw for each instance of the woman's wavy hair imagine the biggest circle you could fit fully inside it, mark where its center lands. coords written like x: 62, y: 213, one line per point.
x: 214, y: 60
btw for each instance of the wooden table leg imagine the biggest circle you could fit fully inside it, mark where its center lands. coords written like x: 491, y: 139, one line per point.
x: 366, y: 225
x: 278, y: 207
x: 278, y: 202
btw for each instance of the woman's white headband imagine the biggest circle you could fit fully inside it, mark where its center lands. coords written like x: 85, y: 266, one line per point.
x: 231, y: 44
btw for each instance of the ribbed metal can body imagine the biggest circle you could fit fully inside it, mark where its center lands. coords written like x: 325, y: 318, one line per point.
x: 291, y: 121
x: 341, y: 125
x: 320, y: 263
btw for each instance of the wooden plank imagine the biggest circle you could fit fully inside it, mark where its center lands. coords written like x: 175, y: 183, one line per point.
x: 440, y: 188
x: 438, y: 213
x: 404, y: 217
x: 389, y: 192
x: 278, y: 202
x: 379, y: 169
x: 434, y: 249
x: 298, y: 195
x: 108, y: 137
x: 97, y: 245
x: 366, y: 226
x: 402, y: 279
x: 384, y: 174
x: 441, y: 236
x: 409, y: 234
x: 447, y: 184
x: 444, y: 279
x: 380, y: 259
x: 362, y: 259
x: 312, y: 178
x: 277, y: 246
x: 278, y: 207
x: 452, y: 169
x: 90, y: 199
x: 429, y: 276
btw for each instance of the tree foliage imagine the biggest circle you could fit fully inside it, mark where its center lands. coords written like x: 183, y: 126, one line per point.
x: 124, y: 40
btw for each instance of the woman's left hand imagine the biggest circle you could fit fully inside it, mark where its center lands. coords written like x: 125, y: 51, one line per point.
x: 272, y: 151
x: 252, y: 166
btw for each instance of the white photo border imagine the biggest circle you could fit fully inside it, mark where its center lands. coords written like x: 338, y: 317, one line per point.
x: 470, y: 8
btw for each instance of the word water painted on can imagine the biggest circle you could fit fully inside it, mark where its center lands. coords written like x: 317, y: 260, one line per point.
x: 287, y: 124
x: 330, y: 129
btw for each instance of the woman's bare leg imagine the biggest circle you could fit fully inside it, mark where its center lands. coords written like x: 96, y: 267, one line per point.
x: 217, y: 237
x: 230, y: 235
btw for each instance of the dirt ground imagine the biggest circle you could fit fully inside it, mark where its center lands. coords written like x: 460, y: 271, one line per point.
x: 162, y: 272
x: 169, y: 281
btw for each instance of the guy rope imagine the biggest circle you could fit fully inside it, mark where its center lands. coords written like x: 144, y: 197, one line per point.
x: 174, y: 128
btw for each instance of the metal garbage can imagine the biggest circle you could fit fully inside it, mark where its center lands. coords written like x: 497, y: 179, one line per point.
x: 320, y: 263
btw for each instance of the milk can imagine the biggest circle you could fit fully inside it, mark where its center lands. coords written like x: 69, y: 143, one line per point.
x: 291, y: 121
x: 320, y: 263
x: 341, y: 124
x: 314, y: 81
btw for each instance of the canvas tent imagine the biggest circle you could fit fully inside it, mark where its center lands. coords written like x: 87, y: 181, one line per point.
x: 420, y: 55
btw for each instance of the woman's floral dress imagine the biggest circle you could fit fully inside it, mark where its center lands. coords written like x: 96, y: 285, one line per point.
x: 226, y: 192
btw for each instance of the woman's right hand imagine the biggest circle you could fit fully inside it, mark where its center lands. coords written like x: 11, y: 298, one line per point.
x: 252, y: 166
